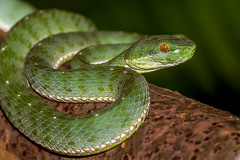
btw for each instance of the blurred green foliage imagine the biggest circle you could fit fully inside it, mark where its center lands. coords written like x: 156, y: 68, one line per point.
x: 212, y: 76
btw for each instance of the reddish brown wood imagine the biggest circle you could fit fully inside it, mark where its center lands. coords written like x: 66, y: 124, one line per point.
x: 2, y: 34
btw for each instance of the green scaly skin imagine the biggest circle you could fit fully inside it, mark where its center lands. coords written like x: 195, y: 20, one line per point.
x: 11, y: 11
x: 80, y: 135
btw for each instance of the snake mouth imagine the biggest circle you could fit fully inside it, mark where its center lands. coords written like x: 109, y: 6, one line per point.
x: 159, y: 64
x: 141, y: 69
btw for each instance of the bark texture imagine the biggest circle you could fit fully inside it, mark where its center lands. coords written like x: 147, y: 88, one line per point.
x: 177, y: 128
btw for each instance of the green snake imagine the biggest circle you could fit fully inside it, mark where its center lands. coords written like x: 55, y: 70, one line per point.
x: 105, y: 68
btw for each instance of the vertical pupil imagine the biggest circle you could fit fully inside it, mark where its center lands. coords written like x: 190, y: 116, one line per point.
x: 164, y: 47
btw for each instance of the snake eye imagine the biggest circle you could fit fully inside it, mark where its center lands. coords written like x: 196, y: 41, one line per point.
x: 164, y: 47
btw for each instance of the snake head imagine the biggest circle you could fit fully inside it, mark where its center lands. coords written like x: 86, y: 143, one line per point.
x: 159, y: 51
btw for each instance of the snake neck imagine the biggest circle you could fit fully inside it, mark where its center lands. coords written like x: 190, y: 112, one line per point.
x: 117, y: 61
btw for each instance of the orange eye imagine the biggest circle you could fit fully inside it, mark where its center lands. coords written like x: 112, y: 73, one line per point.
x: 164, y: 48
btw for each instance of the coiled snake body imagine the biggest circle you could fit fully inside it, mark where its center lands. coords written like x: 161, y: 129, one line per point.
x: 90, y: 80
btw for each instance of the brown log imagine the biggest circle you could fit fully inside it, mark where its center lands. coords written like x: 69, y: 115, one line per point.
x: 2, y: 34
x: 177, y: 128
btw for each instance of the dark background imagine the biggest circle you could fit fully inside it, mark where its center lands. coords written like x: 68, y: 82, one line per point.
x: 212, y: 76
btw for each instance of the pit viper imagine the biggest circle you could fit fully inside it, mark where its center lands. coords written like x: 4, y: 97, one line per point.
x: 106, y: 67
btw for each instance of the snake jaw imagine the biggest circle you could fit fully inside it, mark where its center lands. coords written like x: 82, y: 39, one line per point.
x: 159, y: 51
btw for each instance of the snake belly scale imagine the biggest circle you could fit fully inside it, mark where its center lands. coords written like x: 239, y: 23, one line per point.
x: 117, y: 80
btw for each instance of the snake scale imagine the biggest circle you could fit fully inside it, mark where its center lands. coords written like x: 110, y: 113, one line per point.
x: 105, y: 68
